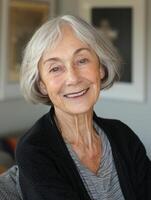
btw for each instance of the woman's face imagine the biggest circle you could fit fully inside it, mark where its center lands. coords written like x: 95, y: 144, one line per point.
x: 70, y: 74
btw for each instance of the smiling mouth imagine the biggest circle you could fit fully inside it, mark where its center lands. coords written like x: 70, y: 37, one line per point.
x: 76, y: 94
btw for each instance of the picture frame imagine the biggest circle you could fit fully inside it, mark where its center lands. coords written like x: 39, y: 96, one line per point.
x: 121, y: 21
x: 19, y: 20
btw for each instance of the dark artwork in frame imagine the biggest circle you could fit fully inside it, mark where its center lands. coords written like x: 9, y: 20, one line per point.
x: 116, y: 23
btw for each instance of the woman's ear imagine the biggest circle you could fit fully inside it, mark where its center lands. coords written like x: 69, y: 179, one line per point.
x: 42, y: 88
x: 102, y: 72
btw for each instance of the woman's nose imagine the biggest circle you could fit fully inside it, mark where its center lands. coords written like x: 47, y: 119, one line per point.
x: 72, y: 76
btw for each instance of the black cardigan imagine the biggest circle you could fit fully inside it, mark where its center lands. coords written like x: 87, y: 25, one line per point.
x: 47, y: 171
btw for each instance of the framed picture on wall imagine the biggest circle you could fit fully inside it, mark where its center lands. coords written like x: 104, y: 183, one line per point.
x: 120, y: 21
x: 20, y: 19
x: 24, y: 18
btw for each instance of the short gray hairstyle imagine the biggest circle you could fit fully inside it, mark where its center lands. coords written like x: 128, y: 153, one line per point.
x: 46, y: 36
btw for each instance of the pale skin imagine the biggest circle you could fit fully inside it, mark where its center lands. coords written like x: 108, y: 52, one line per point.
x: 71, y: 76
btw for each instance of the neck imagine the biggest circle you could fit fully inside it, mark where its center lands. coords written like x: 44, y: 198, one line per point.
x: 77, y: 129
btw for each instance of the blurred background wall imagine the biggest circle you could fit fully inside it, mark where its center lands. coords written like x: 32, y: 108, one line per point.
x: 16, y: 115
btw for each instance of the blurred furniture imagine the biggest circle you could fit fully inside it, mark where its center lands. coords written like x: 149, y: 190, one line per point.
x: 7, y: 152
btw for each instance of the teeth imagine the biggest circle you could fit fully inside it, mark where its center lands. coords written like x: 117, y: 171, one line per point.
x: 76, y: 94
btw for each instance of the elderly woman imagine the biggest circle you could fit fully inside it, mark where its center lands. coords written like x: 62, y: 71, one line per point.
x: 70, y: 153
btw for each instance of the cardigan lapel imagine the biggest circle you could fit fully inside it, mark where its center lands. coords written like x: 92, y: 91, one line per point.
x: 110, y: 131
x: 58, y: 147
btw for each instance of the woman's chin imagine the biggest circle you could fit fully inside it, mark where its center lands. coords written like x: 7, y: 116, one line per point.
x: 78, y: 109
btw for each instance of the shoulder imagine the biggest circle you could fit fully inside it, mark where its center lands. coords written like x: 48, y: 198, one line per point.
x: 33, y: 144
x: 121, y: 135
x: 127, y: 144
x: 35, y: 149
x: 116, y: 128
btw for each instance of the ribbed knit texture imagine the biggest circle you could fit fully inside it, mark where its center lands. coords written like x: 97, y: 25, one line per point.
x: 9, y: 185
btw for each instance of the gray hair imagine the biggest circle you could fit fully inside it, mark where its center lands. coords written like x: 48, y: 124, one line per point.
x: 46, y: 36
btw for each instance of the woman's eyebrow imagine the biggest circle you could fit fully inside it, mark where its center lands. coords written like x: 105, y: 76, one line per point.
x: 82, y: 49
x: 52, y: 59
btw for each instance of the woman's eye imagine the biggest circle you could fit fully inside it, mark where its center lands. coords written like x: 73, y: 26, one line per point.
x: 55, y: 69
x: 83, y: 61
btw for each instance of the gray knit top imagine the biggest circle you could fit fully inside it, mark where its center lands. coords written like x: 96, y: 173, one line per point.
x: 105, y: 185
